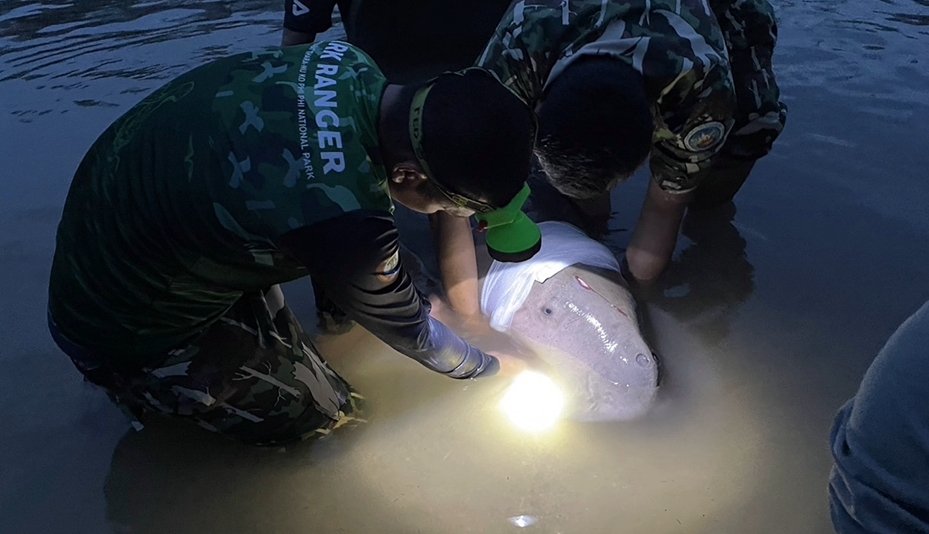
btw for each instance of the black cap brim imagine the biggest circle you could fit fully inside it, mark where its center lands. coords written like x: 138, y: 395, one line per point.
x: 515, y: 257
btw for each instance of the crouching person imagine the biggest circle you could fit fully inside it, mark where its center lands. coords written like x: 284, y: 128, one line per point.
x: 251, y: 171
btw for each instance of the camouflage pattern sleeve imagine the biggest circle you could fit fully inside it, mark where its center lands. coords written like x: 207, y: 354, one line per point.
x: 691, y: 124
x: 750, y: 31
x: 356, y: 259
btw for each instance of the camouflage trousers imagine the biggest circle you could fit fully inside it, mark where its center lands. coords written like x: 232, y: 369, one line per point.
x: 254, y: 375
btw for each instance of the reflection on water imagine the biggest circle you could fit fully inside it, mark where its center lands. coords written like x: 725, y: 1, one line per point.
x: 73, y: 52
x: 445, y: 459
x: 765, y: 321
x: 705, y: 284
x: 54, y: 40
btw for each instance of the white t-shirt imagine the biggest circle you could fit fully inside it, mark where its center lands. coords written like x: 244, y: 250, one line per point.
x: 507, y: 285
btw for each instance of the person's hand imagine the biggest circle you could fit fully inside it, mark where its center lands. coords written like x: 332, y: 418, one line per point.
x: 652, y: 243
x: 439, y: 309
x: 473, y: 327
x: 510, y: 365
x: 641, y: 266
x: 512, y: 355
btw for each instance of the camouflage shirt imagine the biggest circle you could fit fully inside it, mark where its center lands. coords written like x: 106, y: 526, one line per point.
x: 247, y: 172
x: 676, y: 45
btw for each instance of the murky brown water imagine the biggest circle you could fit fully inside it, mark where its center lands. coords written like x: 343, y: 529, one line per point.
x: 766, y: 323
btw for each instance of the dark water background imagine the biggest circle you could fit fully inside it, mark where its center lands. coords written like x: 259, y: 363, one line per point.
x: 766, y: 322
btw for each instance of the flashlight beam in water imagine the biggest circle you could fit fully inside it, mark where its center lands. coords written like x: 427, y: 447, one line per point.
x: 533, y: 402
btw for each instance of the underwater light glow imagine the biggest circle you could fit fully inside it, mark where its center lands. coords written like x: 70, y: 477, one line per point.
x: 533, y: 402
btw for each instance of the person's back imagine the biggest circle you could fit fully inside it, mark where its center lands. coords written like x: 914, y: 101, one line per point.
x: 710, y: 118
x: 187, y: 214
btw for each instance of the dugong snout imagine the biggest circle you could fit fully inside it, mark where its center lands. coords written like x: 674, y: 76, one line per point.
x: 586, y: 317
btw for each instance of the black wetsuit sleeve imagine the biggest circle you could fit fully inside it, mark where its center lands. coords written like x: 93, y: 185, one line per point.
x: 308, y: 16
x: 356, y: 259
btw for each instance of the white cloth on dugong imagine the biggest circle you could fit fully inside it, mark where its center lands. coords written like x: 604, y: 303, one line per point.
x: 507, y: 285
x: 880, y: 440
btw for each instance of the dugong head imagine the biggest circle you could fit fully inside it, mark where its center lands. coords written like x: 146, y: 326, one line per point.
x: 583, y: 322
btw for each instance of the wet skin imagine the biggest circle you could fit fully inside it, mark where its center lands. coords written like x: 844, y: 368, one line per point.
x: 583, y: 322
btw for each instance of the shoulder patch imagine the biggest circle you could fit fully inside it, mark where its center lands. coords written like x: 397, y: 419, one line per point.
x: 704, y: 136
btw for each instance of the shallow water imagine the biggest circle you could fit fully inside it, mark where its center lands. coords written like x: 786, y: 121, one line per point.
x: 766, y: 324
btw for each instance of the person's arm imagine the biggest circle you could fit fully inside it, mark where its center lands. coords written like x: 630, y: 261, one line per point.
x: 694, y: 116
x: 454, y: 244
x: 655, y: 234
x: 303, y: 19
x: 356, y: 258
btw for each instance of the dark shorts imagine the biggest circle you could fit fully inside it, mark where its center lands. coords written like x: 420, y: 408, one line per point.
x: 253, y: 375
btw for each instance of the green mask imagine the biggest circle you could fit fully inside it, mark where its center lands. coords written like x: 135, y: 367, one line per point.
x: 511, y: 235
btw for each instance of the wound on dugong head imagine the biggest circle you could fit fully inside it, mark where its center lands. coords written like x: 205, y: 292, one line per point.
x: 582, y: 321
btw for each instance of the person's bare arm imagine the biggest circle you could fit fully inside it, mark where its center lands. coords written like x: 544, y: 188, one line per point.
x: 461, y: 308
x: 697, y: 115
x: 655, y: 234
x: 457, y: 263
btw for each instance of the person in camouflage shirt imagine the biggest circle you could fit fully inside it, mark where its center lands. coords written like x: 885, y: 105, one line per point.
x: 687, y: 81
x: 251, y: 171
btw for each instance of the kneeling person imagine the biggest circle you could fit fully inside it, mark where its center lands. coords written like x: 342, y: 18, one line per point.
x: 255, y: 170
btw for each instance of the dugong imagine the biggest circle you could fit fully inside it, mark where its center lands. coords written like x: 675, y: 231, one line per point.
x: 571, y: 303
